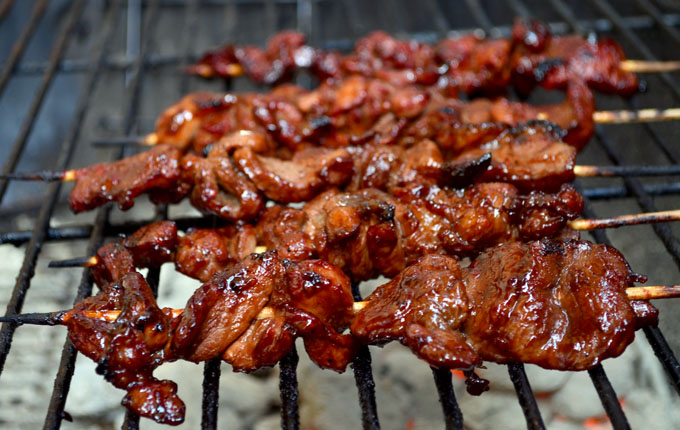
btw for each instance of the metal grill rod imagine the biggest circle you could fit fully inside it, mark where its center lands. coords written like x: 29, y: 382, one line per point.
x: 66, y: 365
x: 20, y: 45
x: 27, y: 270
x: 657, y: 341
x: 29, y: 120
x: 526, y: 397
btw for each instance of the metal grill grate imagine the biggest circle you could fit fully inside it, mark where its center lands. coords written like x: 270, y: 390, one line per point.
x: 145, y: 56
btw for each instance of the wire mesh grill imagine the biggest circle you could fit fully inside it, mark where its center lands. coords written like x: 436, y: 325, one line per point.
x: 148, y: 60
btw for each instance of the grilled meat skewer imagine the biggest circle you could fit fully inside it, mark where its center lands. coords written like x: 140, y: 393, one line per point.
x: 561, y: 305
x: 366, y: 233
x: 468, y: 64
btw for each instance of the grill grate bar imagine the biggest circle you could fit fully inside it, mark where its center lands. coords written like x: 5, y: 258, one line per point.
x: 453, y: 417
x: 363, y: 379
x: 29, y: 120
x: 526, y: 397
x: 654, y: 335
x: 20, y: 45
x: 664, y: 354
x: 634, y: 40
x: 480, y: 16
x: 5, y: 7
x: 33, y: 248
x: 121, y: 62
x: 211, y: 393
x: 288, y: 385
x: 663, y: 231
x: 76, y: 232
x: 600, y: 381
x: 608, y: 397
x: 62, y: 381
x: 288, y: 382
x: 658, y: 17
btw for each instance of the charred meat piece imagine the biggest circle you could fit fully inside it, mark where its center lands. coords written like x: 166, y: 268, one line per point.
x: 541, y: 215
x: 150, y: 246
x: 114, y: 261
x: 553, y: 62
x: 477, y: 217
x: 574, y: 115
x: 179, y: 123
x: 121, y: 181
x: 363, y: 111
x: 469, y: 64
x: 384, y: 167
x: 282, y: 229
x: 369, y: 224
x: 128, y: 349
x: 561, y: 305
x: 531, y: 157
x: 153, y: 244
x: 475, y: 65
x: 423, y: 307
x: 202, y: 253
x: 219, y: 188
x: 222, y: 309
x: 264, y: 343
x: 301, y: 178
x: 312, y: 301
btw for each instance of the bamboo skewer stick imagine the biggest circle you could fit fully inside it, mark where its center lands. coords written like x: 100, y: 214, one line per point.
x: 633, y: 66
x: 579, y: 224
x: 586, y: 171
x: 623, y: 220
x: 43, y: 175
x: 634, y: 116
x: 94, y: 260
x: 642, y: 66
x: 62, y: 317
x: 581, y: 171
x: 602, y: 117
x: 232, y: 70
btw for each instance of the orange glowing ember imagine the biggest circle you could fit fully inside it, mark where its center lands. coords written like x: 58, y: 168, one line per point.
x: 600, y: 422
x: 458, y: 374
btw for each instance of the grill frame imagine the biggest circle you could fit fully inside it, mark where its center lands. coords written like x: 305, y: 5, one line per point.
x: 137, y: 62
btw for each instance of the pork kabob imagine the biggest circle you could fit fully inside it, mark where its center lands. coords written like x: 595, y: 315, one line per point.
x: 469, y: 64
x: 359, y: 110
x: 563, y: 305
x: 243, y: 167
x: 366, y: 232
